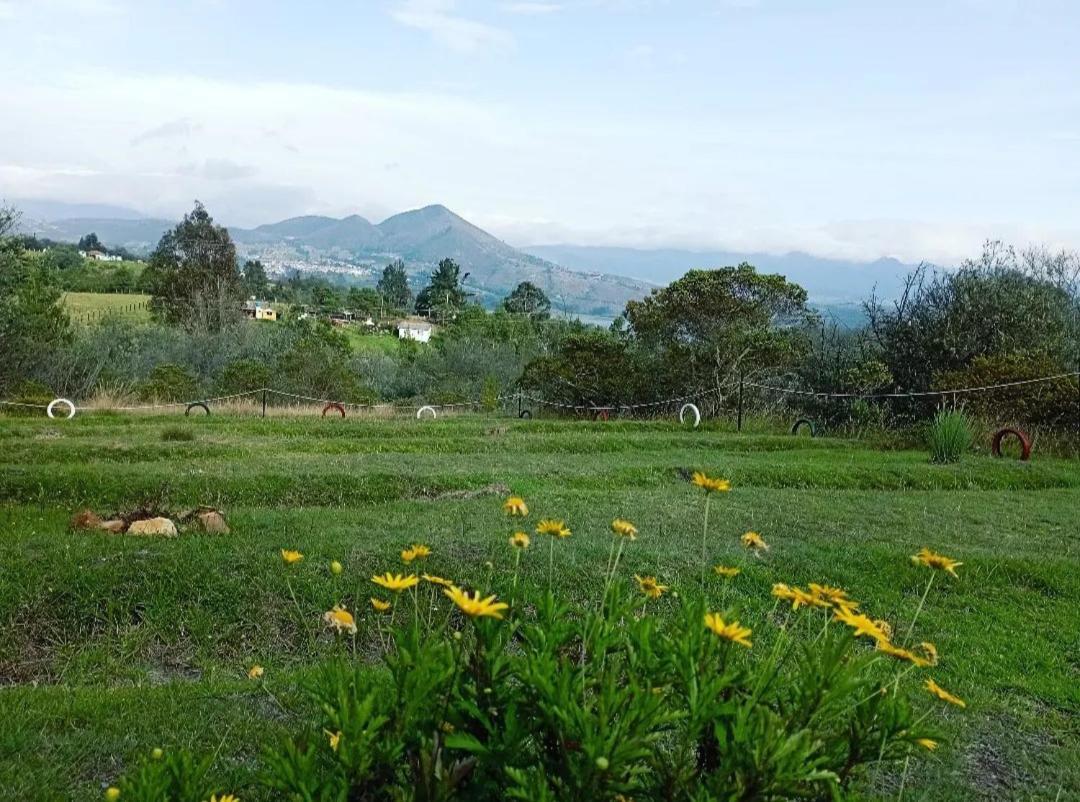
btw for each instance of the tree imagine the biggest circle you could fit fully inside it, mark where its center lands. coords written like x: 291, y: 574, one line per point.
x: 32, y: 321
x: 528, y: 299
x: 192, y: 275
x: 364, y: 300
x: 394, y: 286
x: 90, y: 242
x: 444, y: 296
x: 1001, y: 304
x: 710, y: 323
x: 255, y: 281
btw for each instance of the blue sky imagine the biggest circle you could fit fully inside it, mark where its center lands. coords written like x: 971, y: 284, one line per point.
x: 843, y: 128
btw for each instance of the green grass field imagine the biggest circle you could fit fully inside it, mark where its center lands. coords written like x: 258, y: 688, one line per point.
x: 111, y: 645
x: 90, y: 307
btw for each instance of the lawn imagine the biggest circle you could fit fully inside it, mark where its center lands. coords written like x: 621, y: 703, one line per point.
x: 111, y: 645
x: 91, y: 307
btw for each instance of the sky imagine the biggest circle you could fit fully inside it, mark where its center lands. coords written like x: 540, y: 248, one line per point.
x: 844, y: 128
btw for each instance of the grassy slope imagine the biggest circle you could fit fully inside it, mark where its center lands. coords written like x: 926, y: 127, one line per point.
x: 92, y: 306
x: 136, y: 643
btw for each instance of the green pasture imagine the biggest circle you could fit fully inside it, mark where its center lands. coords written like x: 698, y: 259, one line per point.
x: 113, y: 645
x: 90, y: 307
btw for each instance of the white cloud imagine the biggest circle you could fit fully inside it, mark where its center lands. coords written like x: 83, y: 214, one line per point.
x: 168, y: 130
x: 530, y: 9
x: 437, y: 18
x: 219, y: 170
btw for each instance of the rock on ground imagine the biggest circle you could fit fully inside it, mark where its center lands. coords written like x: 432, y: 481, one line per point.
x: 153, y: 527
x: 212, y: 522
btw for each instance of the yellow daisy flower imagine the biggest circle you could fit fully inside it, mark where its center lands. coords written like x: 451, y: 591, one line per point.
x: 416, y: 551
x: 927, y: 743
x: 516, y: 507
x: 291, y: 556
x: 726, y: 572
x: 902, y: 654
x: 710, y: 484
x: 752, y: 540
x: 256, y: 672
x: 732, y: 632
x: 929, y: 652
x: 224, y: 798
x: 379, y: 605
x: 943, y: 694
x: 519, y: 540
x: 340, y: 619
x: 334, y: 738
x: 624, y: 528
x: 783, y: 592
x: 396, y: 582
x: 475, y: 607
x: 437, y: 580
x: 834, y: 596
x: 862, y: 624
x: 650, y: 587
x: 550, y: 526
x: 884, y: 626
x: 939, y: 561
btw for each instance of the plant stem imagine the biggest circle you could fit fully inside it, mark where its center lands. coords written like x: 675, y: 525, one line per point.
x: 918, y: 610
x: 704, y: 537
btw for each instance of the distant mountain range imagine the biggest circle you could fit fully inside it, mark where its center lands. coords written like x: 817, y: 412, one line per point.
x: 594, y: 282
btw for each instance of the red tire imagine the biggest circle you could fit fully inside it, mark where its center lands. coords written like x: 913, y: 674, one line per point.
x: 333, y: 405
x: 601, y: 414
x: 1001, y: 434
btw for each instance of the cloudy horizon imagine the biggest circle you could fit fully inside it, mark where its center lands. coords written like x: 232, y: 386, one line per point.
x: 852, y: 130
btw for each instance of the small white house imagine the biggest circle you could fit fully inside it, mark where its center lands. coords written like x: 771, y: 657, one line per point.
x: 418, y: 330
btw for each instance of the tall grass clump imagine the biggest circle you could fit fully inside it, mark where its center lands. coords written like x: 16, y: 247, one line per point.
x: 949, y: 436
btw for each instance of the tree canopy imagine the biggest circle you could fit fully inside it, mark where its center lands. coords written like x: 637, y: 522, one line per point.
x: 444, y: 295
x: 394, y: 286
x: 528, y: 299
x: 192, y: 275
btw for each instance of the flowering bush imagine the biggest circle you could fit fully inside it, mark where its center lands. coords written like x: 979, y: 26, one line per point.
x: 477, y: 698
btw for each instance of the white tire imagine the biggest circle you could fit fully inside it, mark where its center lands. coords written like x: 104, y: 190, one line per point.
x: 62, y: 402
x: 693, y: 408
x: 420, y: 412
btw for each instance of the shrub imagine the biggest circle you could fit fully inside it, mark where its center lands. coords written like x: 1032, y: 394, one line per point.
x: 169, y: 382
x: 242, y: 376
x: 949, y: 436
x: 32, y: 393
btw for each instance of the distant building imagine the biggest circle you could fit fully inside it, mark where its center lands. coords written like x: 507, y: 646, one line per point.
x: 259, y: 310
x: 100, y: 256
x: 418, y: 330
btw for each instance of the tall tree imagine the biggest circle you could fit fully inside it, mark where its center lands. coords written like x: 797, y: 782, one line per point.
x: 192, y: 275
x: 90, y: 242
x: 32, y: 321
x: 444, y: 296
x: 528, y: 299
x: 255, y: 281
x: 394, y: 286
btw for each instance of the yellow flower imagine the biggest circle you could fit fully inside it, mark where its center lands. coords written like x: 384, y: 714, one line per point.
x: 725, y: 571
x: 396, y: 582
x: 732, y: 632
x: 861, y: 624
x: 650, y: 587
x: 255, y: 672
x: 624, y: 529
x: 112, y: 794
x: 834, y: 596
x: 783, y: 592
x: 437, y: 580
x: 902, y: 654
x: 290, y: 556
x: 515, y: 506
x: 939, y: 561
x: 415, y: 552
x: 552, y: 527
x: 710, y: 484
x: 335, y: 567
x: 224, y: 798
x: 340, y: 619
x: 929, y: 652
x: 475, y: 607
x: 884, y: 626
x: 927, y: 743
x: 334, y: 738
x: 752, y: 540
x: 800, y: 597
x: 943, y: 694
x: 380, y: 605
x: 519, y: 540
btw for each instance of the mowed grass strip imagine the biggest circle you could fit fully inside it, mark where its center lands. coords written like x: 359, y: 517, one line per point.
x: 118, y: 629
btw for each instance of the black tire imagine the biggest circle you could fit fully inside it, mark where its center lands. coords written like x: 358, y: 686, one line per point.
x: 198, y: 404
x: 525, y: 414
x: 797, y: 425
